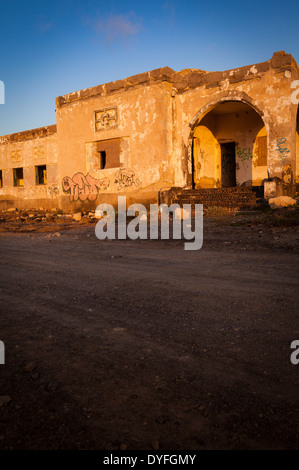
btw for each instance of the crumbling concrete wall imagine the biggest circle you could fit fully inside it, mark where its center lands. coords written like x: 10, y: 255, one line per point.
x: 132, y: 115
x: 157, y: 130
x: 207, y: 158
x: 266, y: 87
x: 27, y: 150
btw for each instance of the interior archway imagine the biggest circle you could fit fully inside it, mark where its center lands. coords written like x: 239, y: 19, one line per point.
x: 230, y: 147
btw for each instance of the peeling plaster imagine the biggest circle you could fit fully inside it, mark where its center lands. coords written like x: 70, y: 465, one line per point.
x: 159, y: 139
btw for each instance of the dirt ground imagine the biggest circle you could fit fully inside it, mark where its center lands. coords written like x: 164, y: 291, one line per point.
x: 143, y: 345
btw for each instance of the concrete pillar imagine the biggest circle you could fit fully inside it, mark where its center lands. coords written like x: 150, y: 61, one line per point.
x: 29, y: 176
x: 282, y: 152
x: 7, y: 178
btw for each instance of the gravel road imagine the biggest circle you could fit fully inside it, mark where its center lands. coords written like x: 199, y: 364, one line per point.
x: 142, y: 345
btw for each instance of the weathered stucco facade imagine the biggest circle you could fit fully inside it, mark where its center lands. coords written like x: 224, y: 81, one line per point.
x: 158, y: 130
x: 23, y: 158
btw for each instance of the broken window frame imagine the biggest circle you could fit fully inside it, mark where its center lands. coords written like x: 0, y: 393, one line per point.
x: 40, y: 180
x: 102, y: 158
x: 17, y: 180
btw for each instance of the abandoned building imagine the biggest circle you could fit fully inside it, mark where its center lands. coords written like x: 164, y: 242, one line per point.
x: 161, y: 134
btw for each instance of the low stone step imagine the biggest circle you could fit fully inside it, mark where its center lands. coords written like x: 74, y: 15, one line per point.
x: 214, y: 198
x: 222, y: 197
x: 237, y: 189
x: 219, y: 203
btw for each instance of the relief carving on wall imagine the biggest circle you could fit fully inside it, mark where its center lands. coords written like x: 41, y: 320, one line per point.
x: 105, y: 118
x: 16, y: 156
x: 38, y: 152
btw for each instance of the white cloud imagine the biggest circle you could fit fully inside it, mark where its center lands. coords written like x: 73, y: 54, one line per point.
x: 117, y: 27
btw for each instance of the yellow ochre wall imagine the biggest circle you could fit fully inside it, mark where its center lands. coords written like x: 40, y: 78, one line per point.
x: 27, y: 150
x: 144, y: 129
x: 164, y: 124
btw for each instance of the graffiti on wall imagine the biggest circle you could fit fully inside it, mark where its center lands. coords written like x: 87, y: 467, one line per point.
x: 53, y: 190
x: 282, y: 149
x: 126, y: 179
x: 244, y: 154
x: 84, y: 187
x: 287, y: 174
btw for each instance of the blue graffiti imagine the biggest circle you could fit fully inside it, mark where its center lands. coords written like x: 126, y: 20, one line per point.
x: 282, y: 150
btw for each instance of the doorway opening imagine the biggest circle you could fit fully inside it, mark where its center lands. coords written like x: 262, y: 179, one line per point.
x: 228, y: 164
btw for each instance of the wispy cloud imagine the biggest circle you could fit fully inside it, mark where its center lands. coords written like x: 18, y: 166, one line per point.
x: 43, y: 25
x: 116, y: 27
x: 170, y: 10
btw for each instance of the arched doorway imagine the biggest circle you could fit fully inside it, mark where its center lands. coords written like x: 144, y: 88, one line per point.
x: 229, y: 147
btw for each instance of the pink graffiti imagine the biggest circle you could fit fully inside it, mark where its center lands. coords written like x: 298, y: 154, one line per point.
x: 83, y: 187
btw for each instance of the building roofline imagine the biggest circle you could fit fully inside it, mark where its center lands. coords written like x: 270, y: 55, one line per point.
x: 30, y: 134
x: 184, y: 80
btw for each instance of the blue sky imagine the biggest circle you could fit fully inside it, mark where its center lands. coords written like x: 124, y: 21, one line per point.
x: 49, y: 48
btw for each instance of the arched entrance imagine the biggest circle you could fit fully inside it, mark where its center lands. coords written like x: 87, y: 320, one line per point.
x: 229, y: 147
